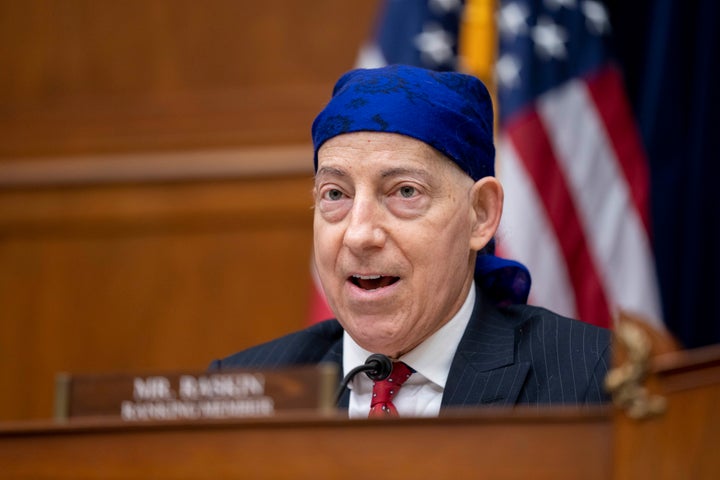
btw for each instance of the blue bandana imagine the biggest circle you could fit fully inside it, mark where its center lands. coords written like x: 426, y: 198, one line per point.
x: 449, y: 111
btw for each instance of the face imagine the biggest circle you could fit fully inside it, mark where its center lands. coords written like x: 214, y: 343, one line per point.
x: 396, y: 227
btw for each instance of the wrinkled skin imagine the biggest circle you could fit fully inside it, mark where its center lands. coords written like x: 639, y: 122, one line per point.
x: 397, y: 227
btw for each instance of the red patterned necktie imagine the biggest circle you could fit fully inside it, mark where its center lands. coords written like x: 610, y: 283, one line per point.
x: 384, y: 390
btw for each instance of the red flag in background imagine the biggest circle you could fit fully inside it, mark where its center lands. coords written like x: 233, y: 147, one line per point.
x: 318, y: 308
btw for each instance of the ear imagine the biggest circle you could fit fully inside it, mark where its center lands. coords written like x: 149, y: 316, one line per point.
x: 487, y: 201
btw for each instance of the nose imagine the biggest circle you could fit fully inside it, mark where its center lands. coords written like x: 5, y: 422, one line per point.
x: 365, y: 228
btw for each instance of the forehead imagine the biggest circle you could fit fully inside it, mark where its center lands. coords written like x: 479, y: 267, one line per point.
x: 390, y: 150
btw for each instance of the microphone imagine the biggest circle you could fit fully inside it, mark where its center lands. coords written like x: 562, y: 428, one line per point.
x: 377, y: 367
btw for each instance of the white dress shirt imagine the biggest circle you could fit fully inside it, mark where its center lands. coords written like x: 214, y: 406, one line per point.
x: 421, y: 394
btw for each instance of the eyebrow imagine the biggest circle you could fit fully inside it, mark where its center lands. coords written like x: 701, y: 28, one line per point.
x: 393, y: 172
x: 332, y: 171
x: 387, y: 173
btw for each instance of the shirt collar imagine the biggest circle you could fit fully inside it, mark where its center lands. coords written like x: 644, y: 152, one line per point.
x: 433, y: 357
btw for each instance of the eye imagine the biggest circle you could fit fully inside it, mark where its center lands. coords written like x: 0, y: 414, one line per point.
x: 333, y: 194
x: 333, y: 202
x: 407, y: 191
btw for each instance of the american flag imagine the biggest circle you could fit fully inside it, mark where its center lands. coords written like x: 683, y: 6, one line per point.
x: 569, y: 155
x: 572, y: 164
x: 423, y: 33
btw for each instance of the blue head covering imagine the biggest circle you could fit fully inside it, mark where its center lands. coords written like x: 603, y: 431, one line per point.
x: 449, y: 111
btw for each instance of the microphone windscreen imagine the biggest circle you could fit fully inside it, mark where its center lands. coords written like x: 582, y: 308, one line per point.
x: 382, y: 366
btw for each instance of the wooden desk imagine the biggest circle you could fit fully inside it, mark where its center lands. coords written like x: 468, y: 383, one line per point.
x: 681, y: 443
x: 486, y: 444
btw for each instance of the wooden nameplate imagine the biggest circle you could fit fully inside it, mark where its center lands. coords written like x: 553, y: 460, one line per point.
x: 194, y: 396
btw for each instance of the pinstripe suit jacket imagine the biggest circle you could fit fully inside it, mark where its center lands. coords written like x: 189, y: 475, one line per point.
x: 507, y: 356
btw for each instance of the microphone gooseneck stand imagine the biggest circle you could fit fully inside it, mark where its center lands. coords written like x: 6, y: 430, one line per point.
x: 377, y: 367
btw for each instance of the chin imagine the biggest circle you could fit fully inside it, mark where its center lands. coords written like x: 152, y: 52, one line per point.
x: 377, y: 338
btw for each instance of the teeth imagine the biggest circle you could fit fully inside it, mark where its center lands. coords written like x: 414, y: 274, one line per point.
x: 367, y: 277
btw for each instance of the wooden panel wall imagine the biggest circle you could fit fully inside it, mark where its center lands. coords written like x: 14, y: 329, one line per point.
x: 106, y: 75
x: 155, y: 179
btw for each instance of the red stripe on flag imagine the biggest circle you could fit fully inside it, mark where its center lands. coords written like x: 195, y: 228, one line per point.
x: 529, y: 137
x: 607, y: 92
x: 318, y: 308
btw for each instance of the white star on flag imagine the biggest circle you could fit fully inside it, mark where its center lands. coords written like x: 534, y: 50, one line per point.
x: 549, y: 39
x: 596, y: 16
x: 512, y: 19
x: 507, y: 70
x: 435, y: 44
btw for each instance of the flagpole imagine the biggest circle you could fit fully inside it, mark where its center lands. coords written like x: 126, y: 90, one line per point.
x: 478, y: 46
x: 478, y: 40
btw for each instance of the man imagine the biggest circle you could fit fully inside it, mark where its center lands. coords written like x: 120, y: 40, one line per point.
x: 405, y: 198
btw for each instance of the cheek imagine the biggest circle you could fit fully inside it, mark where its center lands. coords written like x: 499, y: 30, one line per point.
x: 445, y: 233
x: 445, y: 250
x: 327, y: 239
x: 408, y: 208
x: 333, y: 211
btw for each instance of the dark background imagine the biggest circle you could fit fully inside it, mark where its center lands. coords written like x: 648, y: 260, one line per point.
x: 669, y: 53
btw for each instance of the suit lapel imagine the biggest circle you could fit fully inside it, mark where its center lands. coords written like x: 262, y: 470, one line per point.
x: 484, y: 370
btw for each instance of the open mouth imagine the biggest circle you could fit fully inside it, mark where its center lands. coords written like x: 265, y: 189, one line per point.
x: 372, y: 282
